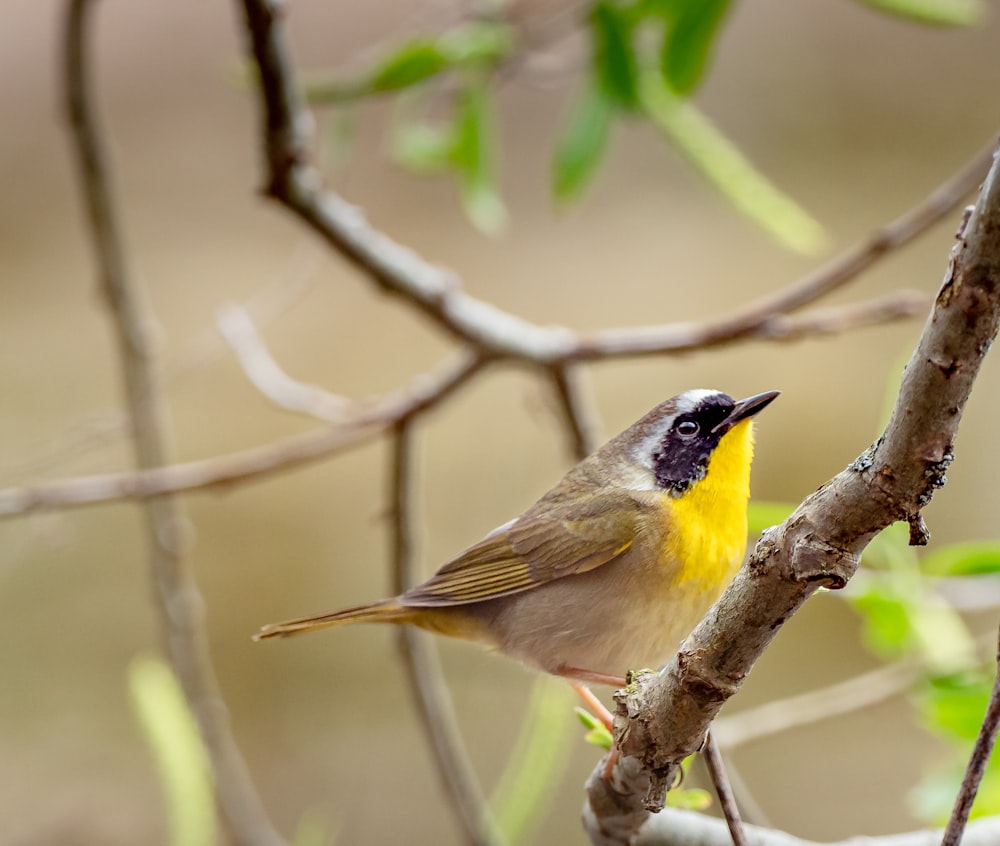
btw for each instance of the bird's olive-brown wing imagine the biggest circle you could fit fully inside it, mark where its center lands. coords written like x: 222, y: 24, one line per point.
x: 552, y: 540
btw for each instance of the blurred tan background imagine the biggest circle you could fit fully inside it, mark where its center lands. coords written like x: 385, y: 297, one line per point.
x: 856, y: 115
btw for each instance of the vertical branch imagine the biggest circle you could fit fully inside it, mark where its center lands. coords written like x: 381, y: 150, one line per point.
x: 423, y: 667
x: 179, y: 602
x: 578, y: 412
x: 976, y: 767
x: 720, y: 778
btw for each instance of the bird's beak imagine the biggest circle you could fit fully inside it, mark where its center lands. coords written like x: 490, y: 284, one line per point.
x: 745, y: 408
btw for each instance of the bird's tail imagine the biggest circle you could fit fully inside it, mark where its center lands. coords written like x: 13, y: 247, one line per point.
x: 384, y: 611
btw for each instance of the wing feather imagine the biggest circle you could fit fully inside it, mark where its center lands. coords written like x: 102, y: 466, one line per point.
x: 551, y: 541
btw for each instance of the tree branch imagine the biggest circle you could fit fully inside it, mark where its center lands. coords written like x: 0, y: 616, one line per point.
x: 225, y: 471
x: 179, y: 601
x: 662, y: 717
x: 955, y: 830
x: 437, y: 293
x: 423, y: 668
x: 673, y: 827
x: 825, y: 703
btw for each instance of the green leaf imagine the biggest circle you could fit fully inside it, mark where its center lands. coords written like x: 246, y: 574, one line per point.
x: 973, y: 558
x: 582, y: 144
x: 715, y: 157
x: 762, y: 515
x: 181, y: 758
x: 598, y: 733
x: 694, y: 799
x: 932, y: 12
x: 887, y: 629
x: 412, y: 63
x: 687, y: 43
x: 954, y: 705
x: 539, y: 759
x: 479, y: 42
x: 474, y: 158
x: 314, y: 830
x: 614, y: 57
x: 423, y: 148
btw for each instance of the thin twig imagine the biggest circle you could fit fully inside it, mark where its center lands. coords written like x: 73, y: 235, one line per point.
x: 423, y: 666
x: 267, y: 376
x: 578, y: 412
x: 977, y: 766
x: 717, y: 770
x: 179, y: 602
x: 103, y: 428
x: 237, y: 468
x: 815, y: 706
x: 438, y: 294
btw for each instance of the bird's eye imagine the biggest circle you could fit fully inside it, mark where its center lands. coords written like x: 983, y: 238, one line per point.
x: 687, y: 428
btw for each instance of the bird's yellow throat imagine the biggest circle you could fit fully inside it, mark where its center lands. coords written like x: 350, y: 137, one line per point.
x: 708, y: 523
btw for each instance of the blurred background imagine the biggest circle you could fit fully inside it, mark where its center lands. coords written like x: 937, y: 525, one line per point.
x: 856, y: 115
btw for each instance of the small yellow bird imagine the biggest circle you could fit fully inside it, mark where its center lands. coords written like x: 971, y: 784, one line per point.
x: 615, y: 565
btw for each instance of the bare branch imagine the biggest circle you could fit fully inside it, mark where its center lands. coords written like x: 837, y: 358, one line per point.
x: 835, y: 274
x: 578, y: 412
x: 955, y: 830
x: 663, y: 717
x: 673, y: 827
x: 180, y: 604
x: 267, y: 376
x: 423, y: 668
x: 717, y: 771
x: 437, y: 293
x: 835, y: 700
x: 246, y: 465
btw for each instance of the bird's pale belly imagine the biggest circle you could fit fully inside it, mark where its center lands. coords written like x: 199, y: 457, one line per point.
x: 554, y: 627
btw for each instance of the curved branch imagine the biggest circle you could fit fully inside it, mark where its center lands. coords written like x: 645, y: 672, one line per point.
x: 246, y: 465
x: 179, y: 600
x: 663, y: 717
x: 423, y: 668
x: 437, y: 293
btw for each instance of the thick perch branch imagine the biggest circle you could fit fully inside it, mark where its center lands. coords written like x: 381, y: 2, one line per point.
x: 663, y: 717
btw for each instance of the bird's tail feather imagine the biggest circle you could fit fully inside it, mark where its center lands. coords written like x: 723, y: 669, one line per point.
x: 384, y: 611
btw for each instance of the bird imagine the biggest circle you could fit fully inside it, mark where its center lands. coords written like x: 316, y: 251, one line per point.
x: 614, y: 566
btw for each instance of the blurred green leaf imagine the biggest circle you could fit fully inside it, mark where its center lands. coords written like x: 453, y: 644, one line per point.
x: 887, y: 631
x: 694, y: 799
x: 941, y: 637
x: 478, y: 42
x: 183, y: 764
x: 955, y: 704
x: 933, y: 797
x: 715, y: 157
x: 687, y: 43
x: 598, y: 733
x: 423, y: 148
x: 932, y: 12
x: 973, y: 558
x: 582, y: 144
x: 313, y: 830
x: 474, y: 158
x: 762, y: 515
x: 614, y: 56
x: 540, y: 756
x: 414, y: 62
